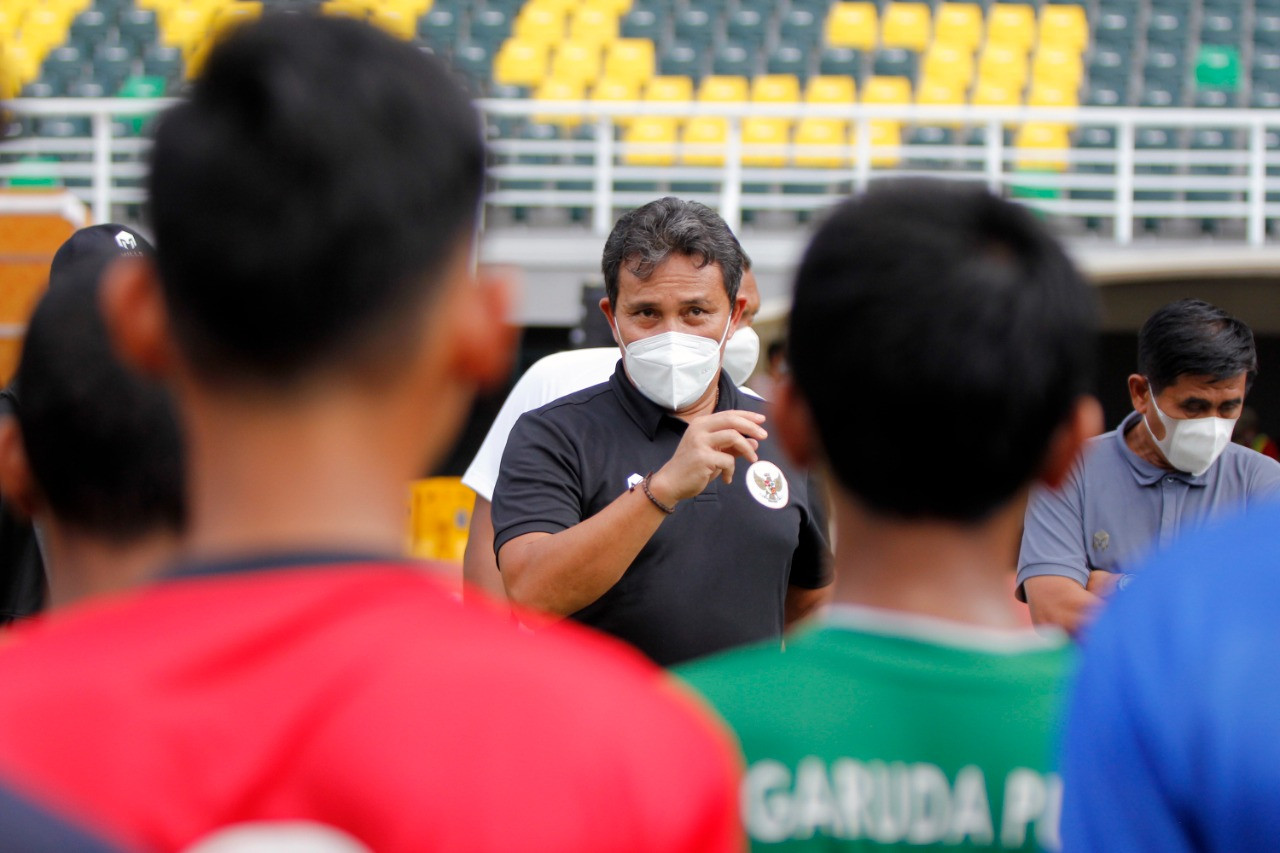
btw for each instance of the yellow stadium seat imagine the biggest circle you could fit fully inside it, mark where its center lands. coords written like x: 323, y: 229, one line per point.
x: 630, y: 59
x: 996, y: 93
x: 1042, y: 135
x: 1046, y: 94
x: 673, y: 88
x: 341, y: 8
x: 704, y: 138
x: 43, y: 28
x: 234, y: 15
x: 1062, y: 66
x: 1064, y: 26
x: 884, y: 134
x: 764, y: 141
x: 887, y: 90
x: 541, y: 24
x: 185, y: 26
x: 612, y: 89
x: 559, y: 89
x: 401, y: 23
x: 776, y: 89
x: 520, y: 63
x: 19, y: 63
x: 439, y: 518
x: 723, y: 89
x: 561, y: 7
x: 830, y: 89
x: 940, y: 93
x: 617, y: 7
x: 1003, y: 64
x: 655, y: 141
x: 852, y: 25
x: 1011, y: 24
x: 948, y: 63
x: 906, y: 25
x: 821, y: 143
x: 576, y: 61
x: 10, y: 18
x: 958, y: 24
x: 593, y: 24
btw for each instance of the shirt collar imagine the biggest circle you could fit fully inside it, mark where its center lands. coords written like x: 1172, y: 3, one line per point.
x: 1144, y: 472
x: 647, y: 414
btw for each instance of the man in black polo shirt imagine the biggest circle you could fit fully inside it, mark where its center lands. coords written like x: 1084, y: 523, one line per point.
x: 655, y: 506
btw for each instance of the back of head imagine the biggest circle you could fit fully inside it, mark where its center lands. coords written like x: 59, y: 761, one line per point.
x: 1193, y: 338
x: 102, y: 443
x: 939, y: 336
x: 645, y: 237
x: 308, y: 196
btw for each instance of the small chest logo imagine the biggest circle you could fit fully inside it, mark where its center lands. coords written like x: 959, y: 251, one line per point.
x: 1101, y: 540
x: 767, y: 485
x: 126, y: 241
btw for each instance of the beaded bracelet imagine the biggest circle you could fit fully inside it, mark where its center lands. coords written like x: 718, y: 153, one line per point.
x: 644, y: 484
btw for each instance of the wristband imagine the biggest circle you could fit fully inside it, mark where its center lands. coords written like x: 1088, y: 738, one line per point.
x: 644, y: 485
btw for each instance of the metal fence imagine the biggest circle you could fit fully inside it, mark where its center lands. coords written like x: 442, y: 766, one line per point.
x: 590, y: 168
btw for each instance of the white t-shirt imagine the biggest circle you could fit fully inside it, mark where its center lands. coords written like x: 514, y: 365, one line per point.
x: 548, y: 379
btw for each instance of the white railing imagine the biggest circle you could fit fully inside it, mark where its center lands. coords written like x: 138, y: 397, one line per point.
x: 595, y: 172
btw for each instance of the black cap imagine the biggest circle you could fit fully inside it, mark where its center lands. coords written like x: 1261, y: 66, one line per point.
x: 88, y: 252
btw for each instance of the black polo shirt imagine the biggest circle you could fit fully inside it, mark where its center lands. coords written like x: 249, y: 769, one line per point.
x: 715, y: 573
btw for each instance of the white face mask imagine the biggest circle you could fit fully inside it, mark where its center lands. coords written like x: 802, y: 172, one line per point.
x: 1192, y: 444
x: 672, y: 369
x: 741, y: 354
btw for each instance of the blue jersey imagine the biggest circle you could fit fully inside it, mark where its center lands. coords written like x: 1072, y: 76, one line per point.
x: 1172, y: 736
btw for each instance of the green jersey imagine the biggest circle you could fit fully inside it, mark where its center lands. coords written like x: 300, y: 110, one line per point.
x: 875, y: 729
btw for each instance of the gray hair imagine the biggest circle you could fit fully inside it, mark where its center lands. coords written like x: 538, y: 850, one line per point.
x: 645, y: 237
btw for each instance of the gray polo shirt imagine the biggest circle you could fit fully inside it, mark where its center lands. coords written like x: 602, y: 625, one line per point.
x: 1115, y: 507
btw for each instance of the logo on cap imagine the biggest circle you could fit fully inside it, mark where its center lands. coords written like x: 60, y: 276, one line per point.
x: 125, y: 241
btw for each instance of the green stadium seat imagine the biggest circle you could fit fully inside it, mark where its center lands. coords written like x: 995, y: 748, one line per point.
x: 1155, y: 139
x: 89, y: 29
x: 439, y: 28
x: 694, y: 26
x: 1113, y: 94
x: 841, y: 60
x: 490, y: 28
x: 162, y: 60
x: 112, y: 63
x: 63, y: 66
x: 1215, y: 99
x: 641, y: 23
x: 138, y: 86
x: 1095, y: 139
x: 1218, y: 67
x: 1163, y: 66
x: 1266, y: 65
x: 1220, y: 27
x: 1115, y: 29
x: 931, y: 136
x: 1265, y: 96
x: 138, y: 27
x: 747, y: 26
x: 682, y: 59
x: 1211, y: 139
x: 1266, y: 29
x: 764, y: 7
x: 88, y: 89
x: 1167, y: 28
x: 40, y: 89
x: 1160, y: 95
x: 734, y: 60
x: 41, y: 171
x: 475, y: 62
x: 800, y: 26
x: 788, y: 59
x: 896, y: 62
x: 1109, y: 66
x: 112, y: 8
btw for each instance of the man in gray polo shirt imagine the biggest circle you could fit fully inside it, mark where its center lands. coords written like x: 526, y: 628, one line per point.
x: 1168, y: 468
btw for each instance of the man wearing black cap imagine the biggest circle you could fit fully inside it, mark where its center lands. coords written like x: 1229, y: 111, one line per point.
x: 90, y: 451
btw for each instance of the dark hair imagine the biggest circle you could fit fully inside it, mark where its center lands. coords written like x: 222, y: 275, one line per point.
x: 1191, y: 337
x: 103, y: 443
x: 308, y: 195
x: 645, y: 237
x: 940, y: 336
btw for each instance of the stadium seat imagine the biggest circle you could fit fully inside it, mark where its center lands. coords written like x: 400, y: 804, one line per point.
x: 1004, y: 64
x: 1063, y: 27
x: 475, y: 61
x: 694, y: 26
x: 593, y: 25
x: 63, y: 66
x: 821, y: 143
x: 1211, y: 139
x: 138, y: 27
x: 559, y: 89
x: 996, y: 93
x: 852, y: 25
x: 641, y: 23
x: 20, y: 63
x: 1266, y: 29
x: 1011, y: 24
x: 112, y: 63
x: 439, y: 29
x: 747, y: 26
x: 1160, y: 95
x: 800, y: 26
x: 163, y: 61
x: 775, y: 89
x: 669, y: 89
x: 788, y: 59
x: 704, y: 138
x: 733, y: 59
x: 489, y: 28
x: 1115, y: 28
x: 1153, y: 139
x: 830, y: 89
x: 931, y: 136
x: 630, y: 59
x: 948, y: 63
x: 400, y: 22
x: 682, y: 59
x: 1266, y: 65
x: 1107, y: 95
x: 1214, y: 99
x: 1060, y: 66
x: 764, y: 141
x: 1095, y: 139
x: 185, y: 26
x: 906, y: 25
x: 1220, y: 26
x: 1167, y: 27
x: 884, y: 135
x: 539, y: 25
x: 940, y: 92
x: 1265, y: 96
x: 1218, y: 67
x: 576, y: 62
x: 887, y: 90
x: 958, y: 24
x: 88, y: 30
x: 841, y: 60
x: 1109, y: 66
x: 1050, y: 94
x: 895, y: 62
x: 1045, y: 136
x: 723, y: 89
x: 656, y: 136
x: 520, y: 63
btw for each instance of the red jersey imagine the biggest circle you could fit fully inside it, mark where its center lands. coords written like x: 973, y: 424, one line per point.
x: 364, y: 697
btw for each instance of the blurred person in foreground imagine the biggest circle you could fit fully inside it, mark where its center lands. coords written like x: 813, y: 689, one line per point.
x: 655, y: 507
x: 92, y: 452
x: 312, y: 306
x: 551, y: 378
x: 1167, y: 469
x: 916, y: 711
x: 1171, y: 742
x: 1248, y: 433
